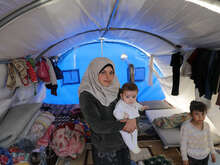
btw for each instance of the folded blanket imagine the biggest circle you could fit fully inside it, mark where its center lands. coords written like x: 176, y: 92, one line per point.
x: 40, y: 126
x: 172, y: 121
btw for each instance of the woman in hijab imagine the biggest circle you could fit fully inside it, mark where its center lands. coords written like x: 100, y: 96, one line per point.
x: 98, y: 95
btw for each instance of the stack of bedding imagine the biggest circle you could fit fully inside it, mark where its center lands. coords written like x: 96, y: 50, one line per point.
x: 22, y: 126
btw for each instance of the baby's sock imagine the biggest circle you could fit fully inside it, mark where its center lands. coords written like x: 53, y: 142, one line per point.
x: 140, y: 163
x: 136, y: 150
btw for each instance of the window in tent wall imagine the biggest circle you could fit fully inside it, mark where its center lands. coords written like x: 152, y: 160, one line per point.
x: 71, y: 77
x: 135, y: 74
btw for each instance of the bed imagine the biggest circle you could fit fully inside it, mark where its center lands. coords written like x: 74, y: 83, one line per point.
x: 171, y: 137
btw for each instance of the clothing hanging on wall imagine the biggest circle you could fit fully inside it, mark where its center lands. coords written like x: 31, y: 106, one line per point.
x: 176, y: 62
x: 205, y: 71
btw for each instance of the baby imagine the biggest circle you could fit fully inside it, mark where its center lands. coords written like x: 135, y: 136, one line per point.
x: 127, y: 108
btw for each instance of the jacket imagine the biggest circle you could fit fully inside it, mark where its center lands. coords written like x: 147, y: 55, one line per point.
x: 105, y: 135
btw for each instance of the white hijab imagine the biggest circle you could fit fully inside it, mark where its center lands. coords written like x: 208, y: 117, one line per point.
x: 91, y: 84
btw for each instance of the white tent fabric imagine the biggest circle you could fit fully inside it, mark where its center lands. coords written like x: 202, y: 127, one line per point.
x: 52, y: 27
x: 6, y: 7
x: 180, y: 22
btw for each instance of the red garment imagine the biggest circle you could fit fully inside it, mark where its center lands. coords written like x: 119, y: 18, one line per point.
x: 31, y: 73
x: 43, y: 71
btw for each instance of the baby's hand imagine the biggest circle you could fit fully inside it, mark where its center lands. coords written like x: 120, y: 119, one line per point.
x: 145, y: 107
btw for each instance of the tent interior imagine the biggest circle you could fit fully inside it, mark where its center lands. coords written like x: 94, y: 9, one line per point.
x: 143, y: 33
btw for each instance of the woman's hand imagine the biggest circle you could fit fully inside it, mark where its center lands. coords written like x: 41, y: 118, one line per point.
x: 130, y: 125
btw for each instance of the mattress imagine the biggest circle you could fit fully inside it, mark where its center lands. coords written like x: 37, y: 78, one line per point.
x: 157, y: 105
x: 169, y: 137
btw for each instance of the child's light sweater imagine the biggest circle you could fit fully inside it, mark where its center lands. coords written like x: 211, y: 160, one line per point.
x: 194, y: 142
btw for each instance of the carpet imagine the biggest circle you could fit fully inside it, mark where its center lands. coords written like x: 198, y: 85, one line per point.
x: 145, y: 129
x: 155, y: 148
x: 143, y: 155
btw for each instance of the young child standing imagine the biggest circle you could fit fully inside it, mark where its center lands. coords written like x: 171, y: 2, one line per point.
x: 196, y: 142
x: 127, y: 108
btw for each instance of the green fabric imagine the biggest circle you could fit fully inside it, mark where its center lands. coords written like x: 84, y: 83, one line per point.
x: 32, y: 62
x: 172, y: 121
x: 157, y: 160
x: 105, y: 135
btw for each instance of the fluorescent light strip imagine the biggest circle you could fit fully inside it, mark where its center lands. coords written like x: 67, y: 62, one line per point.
x: 211, y: 6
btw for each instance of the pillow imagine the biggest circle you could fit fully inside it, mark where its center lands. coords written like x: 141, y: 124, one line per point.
x: 15, y: 121
x: 4, y: 106
x: 172, y: 121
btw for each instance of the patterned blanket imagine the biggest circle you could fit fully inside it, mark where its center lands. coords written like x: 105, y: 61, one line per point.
x: 172, y: 121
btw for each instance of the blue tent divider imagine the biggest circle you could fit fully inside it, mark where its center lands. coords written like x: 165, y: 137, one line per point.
x: 68, y: 93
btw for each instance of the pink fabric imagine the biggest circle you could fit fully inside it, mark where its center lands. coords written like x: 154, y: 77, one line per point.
x: 44, y: 140
x: 69, y: 140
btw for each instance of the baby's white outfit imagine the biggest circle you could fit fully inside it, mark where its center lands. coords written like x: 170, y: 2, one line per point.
x: 121, y: 108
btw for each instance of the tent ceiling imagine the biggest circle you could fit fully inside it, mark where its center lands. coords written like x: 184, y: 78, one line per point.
x: 58, y: 25
x: 8, y: 7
